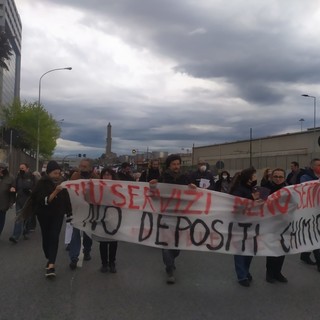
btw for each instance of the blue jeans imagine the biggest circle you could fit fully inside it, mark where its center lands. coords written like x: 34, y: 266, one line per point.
x: 18, y: 225
x: 2, y: 219
x: 168, y: 257
x: 75, y: 244
x: 242, y: 265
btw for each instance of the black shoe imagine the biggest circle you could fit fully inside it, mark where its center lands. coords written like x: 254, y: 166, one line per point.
x: 73, y: 265
x: 51, y: 273
x: 270, y: 278
x: 170, y: 277
x: 249, y: 276
x: 244, y: 283
x: 281, y: 278
x: 112, y: 268
x: 86, y: 256
x: 104, y: 268
x: 13, y: 240
x: 308, y: 261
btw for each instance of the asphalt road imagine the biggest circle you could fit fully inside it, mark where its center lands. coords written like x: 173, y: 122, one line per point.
x: 205, y: 288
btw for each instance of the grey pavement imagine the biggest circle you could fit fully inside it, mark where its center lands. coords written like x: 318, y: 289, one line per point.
x: 205, y: 288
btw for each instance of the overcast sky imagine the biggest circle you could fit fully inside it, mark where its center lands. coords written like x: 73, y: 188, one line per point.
x: 172, y: 73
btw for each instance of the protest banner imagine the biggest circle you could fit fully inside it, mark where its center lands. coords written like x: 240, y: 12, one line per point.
x: 177, y: 217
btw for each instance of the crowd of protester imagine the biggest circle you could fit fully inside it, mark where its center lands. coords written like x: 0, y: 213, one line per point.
x: 43, y: 198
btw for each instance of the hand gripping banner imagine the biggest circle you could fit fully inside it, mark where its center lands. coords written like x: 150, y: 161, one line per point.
x: 177, y: 217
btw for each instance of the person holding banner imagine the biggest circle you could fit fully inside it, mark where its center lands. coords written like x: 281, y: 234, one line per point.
x: 51, y: 202
x: 85, y: 172
x: 172, y: 175
x: 266, y: 178
x: 152, y: 172
x: 274, y: 264
x: 243, y: 185
x: 108, y: 249
x: 124, y: 173
x: 223, y: 183
x: 313, y: 173
x: 202, y: 177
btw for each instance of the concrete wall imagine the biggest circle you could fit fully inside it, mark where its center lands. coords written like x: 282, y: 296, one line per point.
x: 273, y: 151
x: 16, y: 157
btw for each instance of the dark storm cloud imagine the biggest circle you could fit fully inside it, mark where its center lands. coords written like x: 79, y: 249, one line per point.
x: 251, y: 45
x: 260, y: 52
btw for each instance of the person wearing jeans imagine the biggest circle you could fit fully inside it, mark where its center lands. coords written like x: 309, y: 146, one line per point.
x: 7, y: 193
x: 75, y: 246
x: 168, y: 257
x: 274, y: 264
x: 85, y: 172
x: 25, y: 182
x: 172, y: 175
x: 243, y: 185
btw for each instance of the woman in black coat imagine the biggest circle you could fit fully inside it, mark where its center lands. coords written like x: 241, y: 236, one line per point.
x: 224, y: 182
x: 50, y: 203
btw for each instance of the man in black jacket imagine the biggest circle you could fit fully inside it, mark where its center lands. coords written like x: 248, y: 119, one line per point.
x: 295, y: 174
x: 85, y: 172
x: 124, y: 173
x: 311, y: 174
x: 25, y: 182
x: 202, y: 177
x: 172, y: 175
x: 152, y: 172
x: 274, y: 264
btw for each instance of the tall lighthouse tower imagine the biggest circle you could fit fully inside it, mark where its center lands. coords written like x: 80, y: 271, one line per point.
x: 108, y: 141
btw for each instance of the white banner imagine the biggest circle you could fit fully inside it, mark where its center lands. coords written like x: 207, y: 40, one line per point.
x: 177, y: 217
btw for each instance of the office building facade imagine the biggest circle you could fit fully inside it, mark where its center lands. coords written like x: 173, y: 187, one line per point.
x: 10, y: 23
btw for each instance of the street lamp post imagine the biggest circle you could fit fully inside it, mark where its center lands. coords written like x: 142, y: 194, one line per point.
x: 250, y: 150
x: 314, y: 120
x: 39, y: 102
